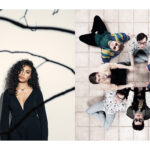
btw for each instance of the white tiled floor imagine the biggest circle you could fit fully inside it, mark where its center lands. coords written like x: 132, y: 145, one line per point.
x: 88, y: 60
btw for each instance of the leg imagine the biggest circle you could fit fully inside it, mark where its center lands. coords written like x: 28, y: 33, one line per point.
x: 88, y: 39
x: 101, y: 116
x: 96, y: 110
x: 98, y: 25
x: 109, y: 120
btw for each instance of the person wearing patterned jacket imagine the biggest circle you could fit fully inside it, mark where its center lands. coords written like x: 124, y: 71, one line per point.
x: 111, y: 44
x: 139, y: 50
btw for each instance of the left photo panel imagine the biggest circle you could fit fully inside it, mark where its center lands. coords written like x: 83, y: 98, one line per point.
x: 37, y: 77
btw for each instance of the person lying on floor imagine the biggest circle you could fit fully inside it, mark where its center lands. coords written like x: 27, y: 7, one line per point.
x: 111, y: 44
x: 111, y: 76
x: 139, y: 50
x: 138, y: 107
x: 106, y: 109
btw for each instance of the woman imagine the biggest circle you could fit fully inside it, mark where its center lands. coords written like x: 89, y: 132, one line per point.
x: 106, y: 109
x: 111, y: 44
x: 22, y: 95
x: 111, y: 76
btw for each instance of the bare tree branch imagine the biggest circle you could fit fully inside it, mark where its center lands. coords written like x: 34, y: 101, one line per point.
x: 25, y: 17
x: 36, y: 27
x: 46, y: 59
x: 55, y: 11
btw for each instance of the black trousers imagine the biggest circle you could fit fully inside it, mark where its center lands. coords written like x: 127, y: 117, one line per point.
x: 98, y: 26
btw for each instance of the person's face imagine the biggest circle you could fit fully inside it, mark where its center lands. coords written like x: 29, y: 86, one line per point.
x: 138, y: 118
x: 100, y: 77
x: 25, y: 74
x: 114, y: 45
x: 119, y: 97
x: 142, y: 43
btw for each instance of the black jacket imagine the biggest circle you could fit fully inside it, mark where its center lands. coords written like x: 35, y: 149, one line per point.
x: 134, y: 106
x: 33, y: 127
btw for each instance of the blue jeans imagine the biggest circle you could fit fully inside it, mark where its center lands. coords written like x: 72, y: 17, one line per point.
x: 98, y: 111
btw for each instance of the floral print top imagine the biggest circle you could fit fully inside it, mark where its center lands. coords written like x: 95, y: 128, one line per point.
x: 110, y: 106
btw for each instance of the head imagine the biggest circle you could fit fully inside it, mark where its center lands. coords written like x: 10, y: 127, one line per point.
x: 21, y: 72
x: 116, y: 46
x: 96, y: 77
x: 138, y: 121
x: 120, y: 96
x: 142, y: 40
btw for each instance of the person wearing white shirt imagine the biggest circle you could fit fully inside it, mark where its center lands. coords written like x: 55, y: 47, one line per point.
x: 106, y: 109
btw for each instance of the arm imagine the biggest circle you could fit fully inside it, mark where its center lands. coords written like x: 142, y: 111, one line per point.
x: 120, y: 66
x: 114, y: 87
x: 148, y: 98
x: 130, y: 99
x: 129, y: 111
x: 148, y: 59
x: 129, y: 85
x: 4, y: 126
x: 132, y: 47
x: 106, y: 60
x: 42, y: 116
x: 131, y: 59
x: 122, y: 37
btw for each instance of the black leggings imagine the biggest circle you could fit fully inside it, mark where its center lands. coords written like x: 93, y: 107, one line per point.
x: 98, y: 26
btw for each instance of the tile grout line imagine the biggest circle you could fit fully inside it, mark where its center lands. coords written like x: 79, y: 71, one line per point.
x: 133, y: 73
x: 102, y: 125
x: 148, y: 78
x: 75, y: 81
x: 89, y: 128
x: 118, y: 113
x: 75, y: 92
x: 148, y: 138
x: 133, y: 33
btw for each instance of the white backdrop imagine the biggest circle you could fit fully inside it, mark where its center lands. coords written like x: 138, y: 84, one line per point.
x: 58, y: 46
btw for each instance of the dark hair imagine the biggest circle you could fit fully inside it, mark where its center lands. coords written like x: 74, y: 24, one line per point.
x: 138, y: 127
x: 141, y: 36
x: 12, y: 76
x: 123, y: 92
x: 92, y: 78
x: 120, y: 46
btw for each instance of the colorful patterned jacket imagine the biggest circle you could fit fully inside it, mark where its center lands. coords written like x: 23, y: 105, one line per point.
x: 106, y: 53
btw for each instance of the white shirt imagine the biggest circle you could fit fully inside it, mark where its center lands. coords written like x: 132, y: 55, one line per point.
x: 134, y: 46
x: 110, y: 106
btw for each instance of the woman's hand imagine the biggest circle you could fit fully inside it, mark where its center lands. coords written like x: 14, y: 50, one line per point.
x: 146, y: 85
x: 131, y: 68
x: 146, y: 68
x: 131, y: 35
x: 131, y: 85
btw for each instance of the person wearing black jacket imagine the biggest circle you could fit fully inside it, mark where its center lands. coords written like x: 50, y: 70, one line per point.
x: 22, y: 94
x: 138, y: 110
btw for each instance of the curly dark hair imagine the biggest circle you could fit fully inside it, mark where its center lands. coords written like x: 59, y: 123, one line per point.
x: 12, y: 76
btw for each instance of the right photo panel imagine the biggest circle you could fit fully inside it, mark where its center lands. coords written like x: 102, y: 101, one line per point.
x: 112, y: 74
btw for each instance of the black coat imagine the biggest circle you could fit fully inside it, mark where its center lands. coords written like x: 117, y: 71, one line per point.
x: 33, y: 127
x: 134, y: 107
